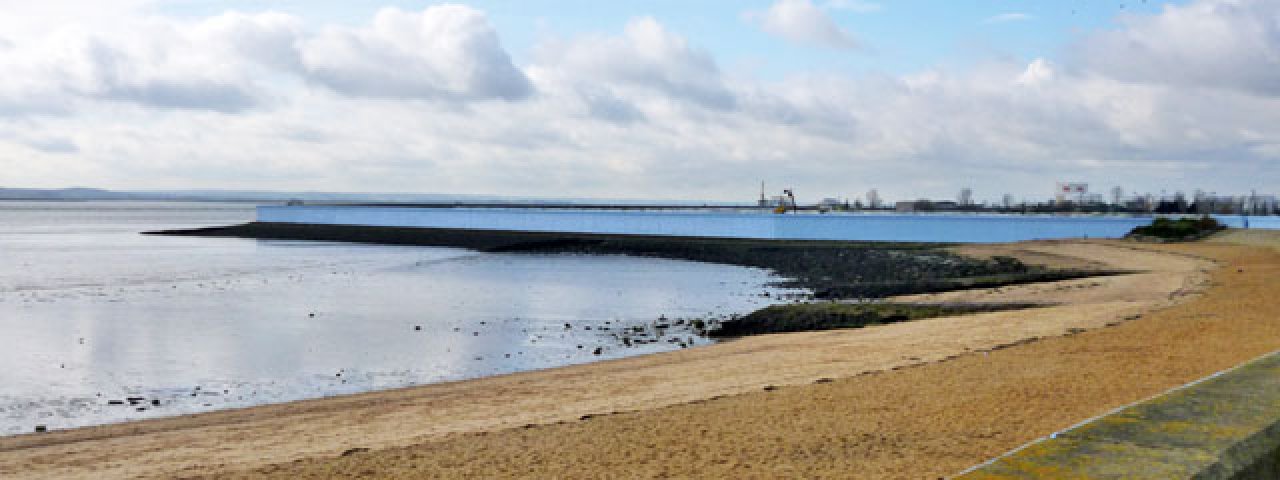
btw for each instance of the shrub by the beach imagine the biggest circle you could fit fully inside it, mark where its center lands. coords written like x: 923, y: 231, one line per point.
x: 1181, y: 229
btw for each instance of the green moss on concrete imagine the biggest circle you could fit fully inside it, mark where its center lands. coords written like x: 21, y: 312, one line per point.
x: 1226, y: 427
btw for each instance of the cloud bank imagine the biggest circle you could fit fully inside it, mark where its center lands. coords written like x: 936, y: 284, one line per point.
x: 431, y: 101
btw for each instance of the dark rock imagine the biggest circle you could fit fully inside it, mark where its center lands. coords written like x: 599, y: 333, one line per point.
x: 417, y: 328
x: 41, y: 428
x: 115, y: 402
x: 597, y: 351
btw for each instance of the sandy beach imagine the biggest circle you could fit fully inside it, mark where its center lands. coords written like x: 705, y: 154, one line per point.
x: 922, y: 399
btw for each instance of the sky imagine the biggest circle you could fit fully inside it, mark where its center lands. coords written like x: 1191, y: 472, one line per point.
x: 642, y: 100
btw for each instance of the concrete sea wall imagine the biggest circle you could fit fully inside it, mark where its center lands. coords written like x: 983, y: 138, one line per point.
x: 1224, y: 427
x: 758, y: 225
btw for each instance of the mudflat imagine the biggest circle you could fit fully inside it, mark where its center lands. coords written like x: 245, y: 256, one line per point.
x: 920, y: 399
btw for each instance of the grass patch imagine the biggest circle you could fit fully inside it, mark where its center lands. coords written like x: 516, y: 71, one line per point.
x: 802, y: 317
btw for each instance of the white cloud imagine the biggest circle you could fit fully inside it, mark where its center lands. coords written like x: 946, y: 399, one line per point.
x: 225, y: 63
x: 802, y: 22
x: 443, y: 52
x: 1037, y: 72
x: 858, y: 6
x: 158, y: 67
x: 646, y: 57
x: 1208, y: 43
x: 1008, y: 17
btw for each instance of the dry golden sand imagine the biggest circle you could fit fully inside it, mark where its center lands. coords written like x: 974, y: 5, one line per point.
x: 705, y: 412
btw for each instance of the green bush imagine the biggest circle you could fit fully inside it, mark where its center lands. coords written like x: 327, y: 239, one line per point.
x: 1178, y: 229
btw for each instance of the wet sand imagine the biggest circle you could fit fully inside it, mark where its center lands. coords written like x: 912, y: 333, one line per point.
x: 911, y: 400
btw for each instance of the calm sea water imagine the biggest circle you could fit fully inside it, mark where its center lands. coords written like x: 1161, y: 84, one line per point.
x: 99, y: 324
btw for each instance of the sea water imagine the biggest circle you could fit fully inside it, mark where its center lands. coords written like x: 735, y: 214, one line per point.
x: 100, y: 324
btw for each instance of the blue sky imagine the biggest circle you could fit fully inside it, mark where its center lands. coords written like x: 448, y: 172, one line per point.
x: 657, y: 99
x: 902, y: 36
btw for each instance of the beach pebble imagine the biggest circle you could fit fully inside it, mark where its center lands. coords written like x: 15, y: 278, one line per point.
x: 41, y: 428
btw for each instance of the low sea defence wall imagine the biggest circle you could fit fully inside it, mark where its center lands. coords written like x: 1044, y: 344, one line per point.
x: 754, y: 225
x: 1224, y: 427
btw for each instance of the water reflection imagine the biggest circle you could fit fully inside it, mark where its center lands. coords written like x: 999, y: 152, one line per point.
x: 93, y: 314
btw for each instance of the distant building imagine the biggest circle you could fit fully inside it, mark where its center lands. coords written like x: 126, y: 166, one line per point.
x: 1070, y: 191
x: 873, y: 199
x: 777, y: 200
